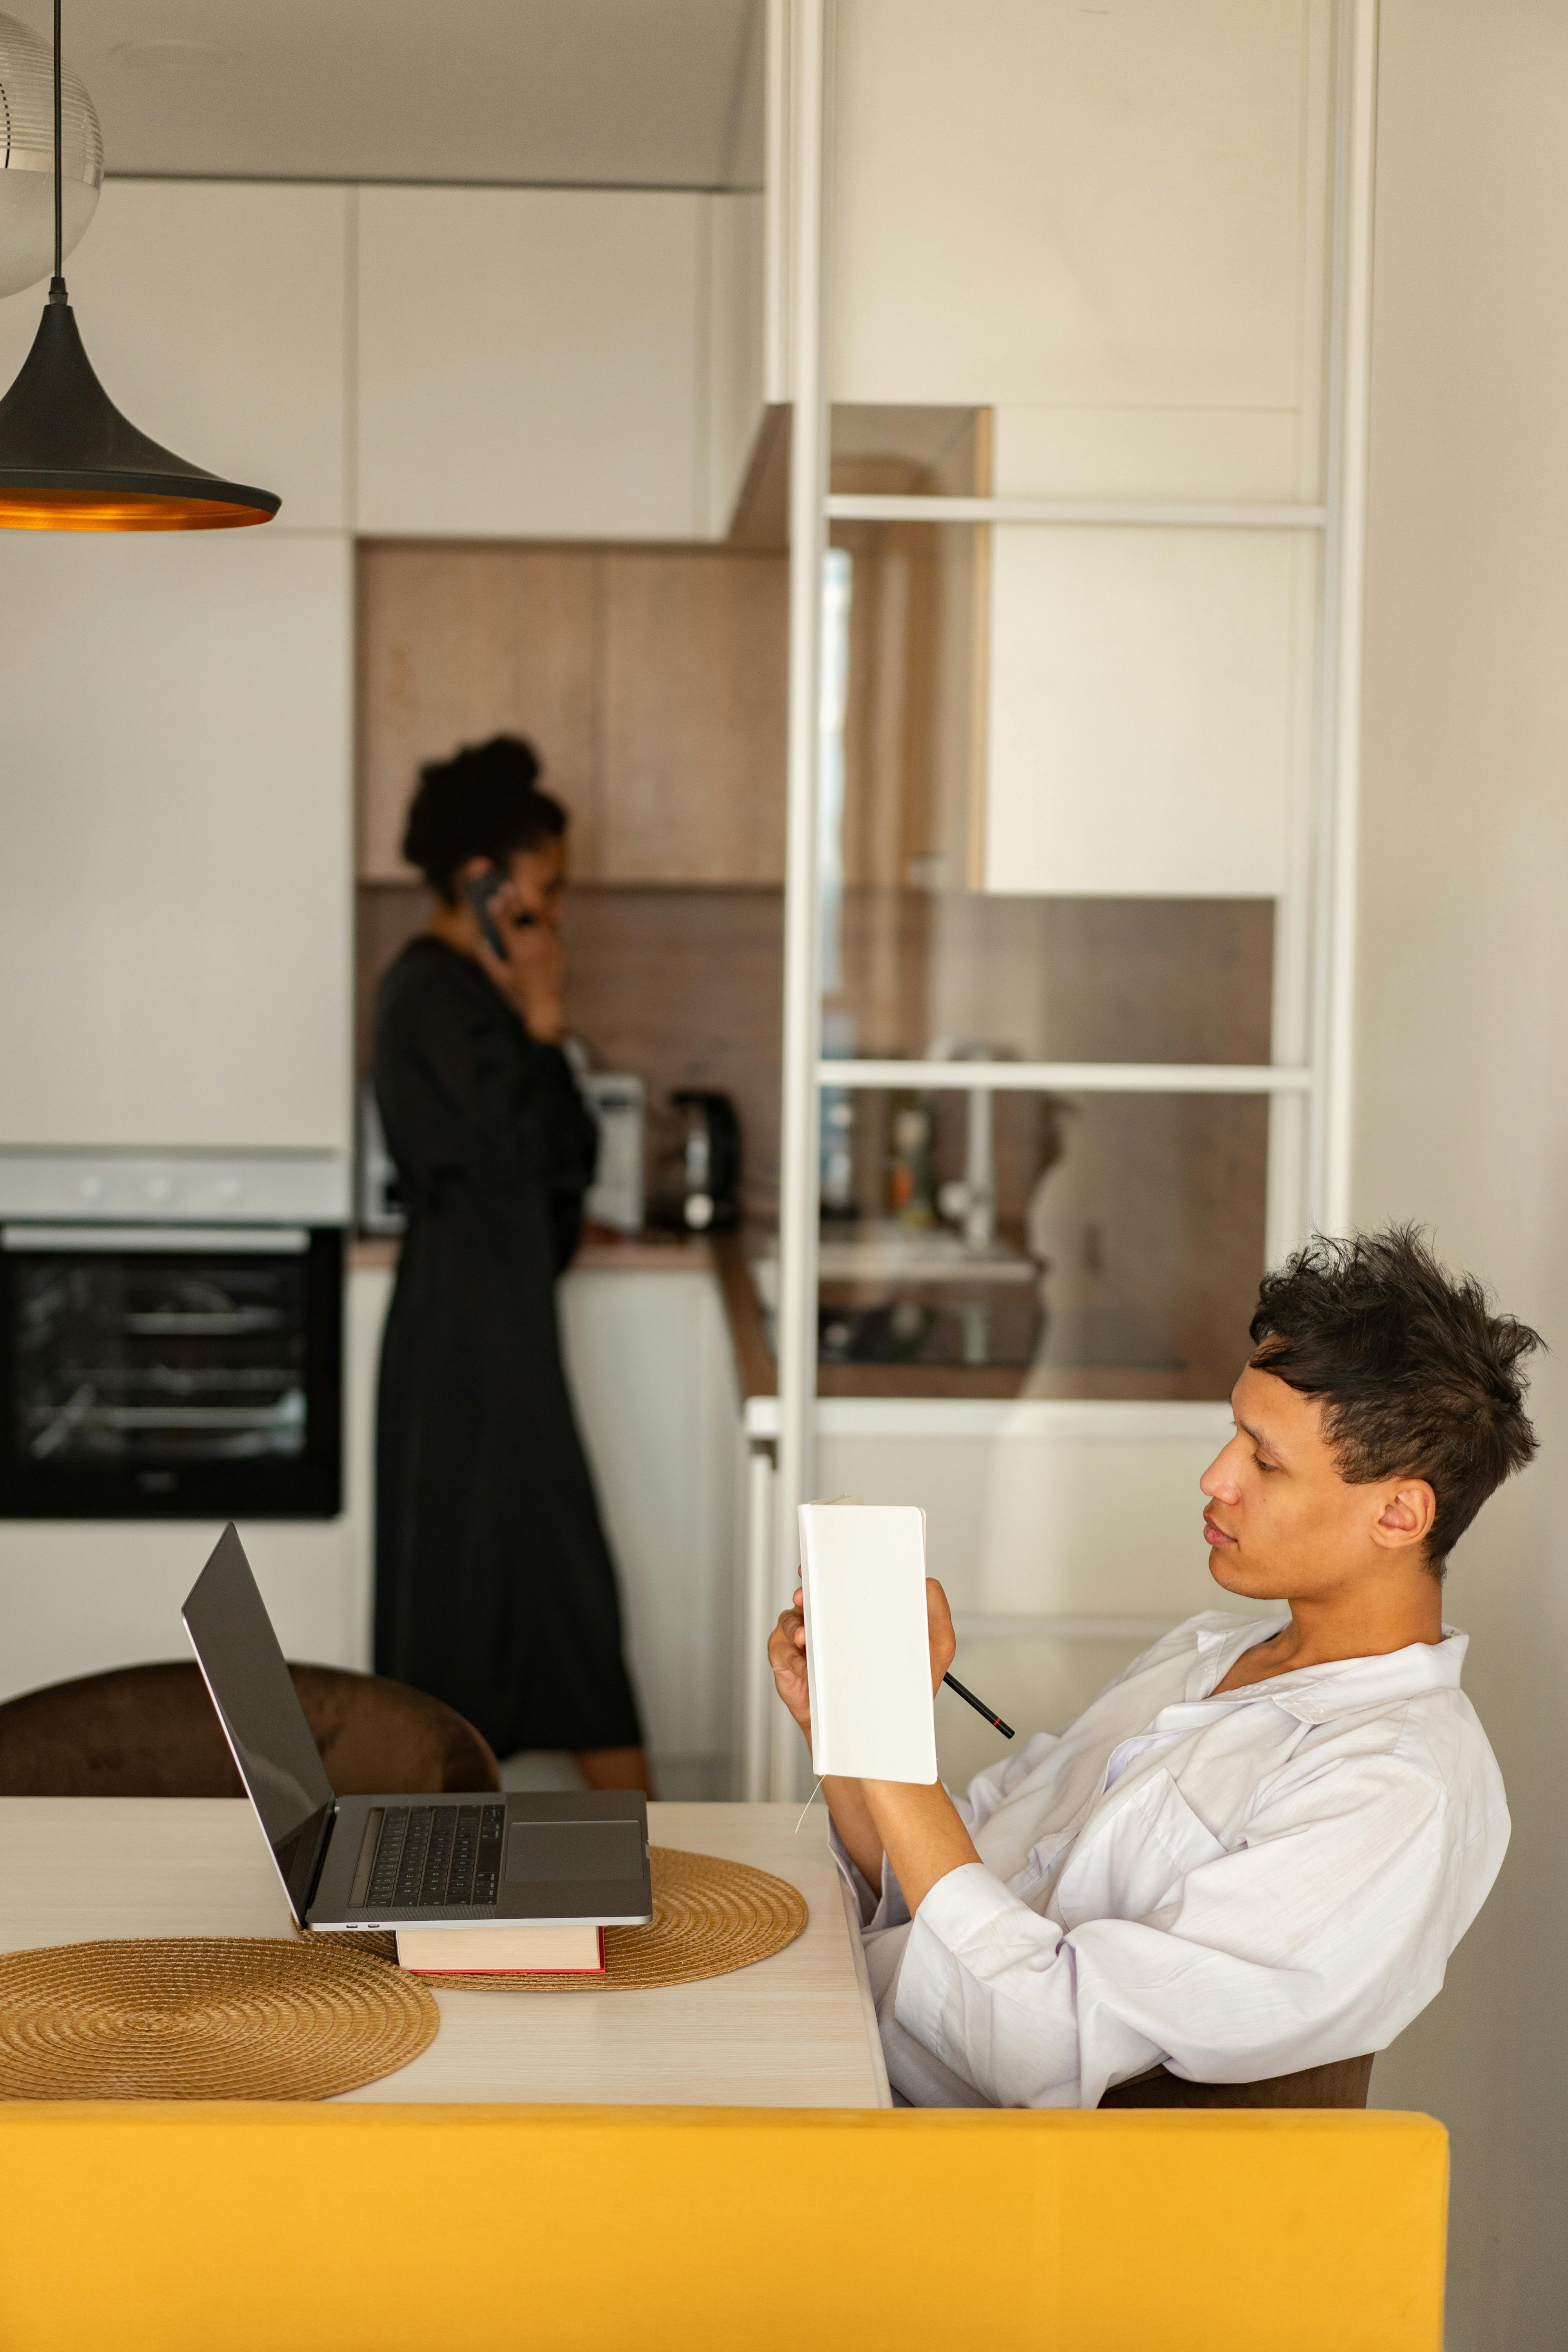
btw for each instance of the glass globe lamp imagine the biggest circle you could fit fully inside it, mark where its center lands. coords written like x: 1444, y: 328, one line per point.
x: 27, y: 157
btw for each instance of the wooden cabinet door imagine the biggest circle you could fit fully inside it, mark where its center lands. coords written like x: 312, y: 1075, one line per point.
x: 695, y: 659
x: 458, y: 643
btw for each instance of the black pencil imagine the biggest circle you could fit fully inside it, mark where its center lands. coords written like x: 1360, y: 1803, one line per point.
x: 979, y: 1705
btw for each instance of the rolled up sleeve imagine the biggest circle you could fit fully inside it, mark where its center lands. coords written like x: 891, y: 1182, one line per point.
x: 1318, y: 1938
x: 884, y: 1906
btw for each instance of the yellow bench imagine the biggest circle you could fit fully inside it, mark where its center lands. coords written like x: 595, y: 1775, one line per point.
x: 240, y: 2227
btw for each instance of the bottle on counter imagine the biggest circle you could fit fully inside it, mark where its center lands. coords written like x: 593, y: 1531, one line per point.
x: 911, y: 1192
x: 836, y: 1174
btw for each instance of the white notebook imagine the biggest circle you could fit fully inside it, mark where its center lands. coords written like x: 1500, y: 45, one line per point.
x: 867, y: 1657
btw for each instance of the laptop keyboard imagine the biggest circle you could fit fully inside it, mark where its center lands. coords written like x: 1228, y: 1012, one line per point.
x: 433, y: 1856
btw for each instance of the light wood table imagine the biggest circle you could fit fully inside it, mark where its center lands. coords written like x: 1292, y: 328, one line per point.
x: 796, y: 2030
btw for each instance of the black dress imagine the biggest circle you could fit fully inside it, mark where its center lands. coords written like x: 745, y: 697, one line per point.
x: 495, y: 1588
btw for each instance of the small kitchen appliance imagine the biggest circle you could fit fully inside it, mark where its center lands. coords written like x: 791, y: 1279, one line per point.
x: 618, y: 1104
x: 705, y: 1193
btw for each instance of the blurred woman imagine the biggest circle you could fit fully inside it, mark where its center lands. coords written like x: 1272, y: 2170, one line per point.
x: 495, y: 1588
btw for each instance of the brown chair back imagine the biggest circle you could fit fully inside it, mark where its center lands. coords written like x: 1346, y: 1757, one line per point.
x: 152, y: 1731
x: 1345, y: 2084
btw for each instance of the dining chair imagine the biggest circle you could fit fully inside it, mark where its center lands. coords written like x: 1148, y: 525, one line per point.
x: 152, y: 1731
x: 1343, y: 2084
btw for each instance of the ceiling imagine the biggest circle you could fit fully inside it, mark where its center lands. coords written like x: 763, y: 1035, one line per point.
x: 638, y: 93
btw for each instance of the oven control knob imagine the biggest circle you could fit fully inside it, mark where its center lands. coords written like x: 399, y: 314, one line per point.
x: 229, y: 1188
x: 159, y: 1188
x: 91, y: 1187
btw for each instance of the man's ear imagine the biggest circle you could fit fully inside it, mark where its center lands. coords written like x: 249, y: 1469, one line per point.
x: 1406, y: 1516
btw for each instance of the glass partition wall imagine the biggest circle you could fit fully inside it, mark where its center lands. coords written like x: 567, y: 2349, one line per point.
x: 1073, y: 698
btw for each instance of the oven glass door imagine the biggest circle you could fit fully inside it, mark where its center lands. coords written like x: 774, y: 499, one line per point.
x: 171, y: 1372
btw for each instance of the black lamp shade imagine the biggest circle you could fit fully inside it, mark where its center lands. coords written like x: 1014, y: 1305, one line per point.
x: 70, y: 461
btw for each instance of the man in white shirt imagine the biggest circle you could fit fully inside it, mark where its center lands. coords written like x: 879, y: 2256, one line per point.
x: 1255, y: 1851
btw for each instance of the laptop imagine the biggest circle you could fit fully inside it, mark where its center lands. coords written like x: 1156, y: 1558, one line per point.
x: 471, y: 1861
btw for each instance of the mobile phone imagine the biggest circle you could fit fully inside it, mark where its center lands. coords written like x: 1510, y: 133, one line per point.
x: 481, y: 892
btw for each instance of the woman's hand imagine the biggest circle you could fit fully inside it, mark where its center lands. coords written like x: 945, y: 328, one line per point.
x: 786, y: 1657
x: 531, y: 973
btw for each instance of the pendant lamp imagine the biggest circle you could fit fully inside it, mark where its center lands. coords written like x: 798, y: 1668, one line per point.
x: 70, y: 461
x: 27, y: 157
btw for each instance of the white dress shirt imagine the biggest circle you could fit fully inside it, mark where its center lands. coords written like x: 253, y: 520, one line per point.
x: 1232, y: 1887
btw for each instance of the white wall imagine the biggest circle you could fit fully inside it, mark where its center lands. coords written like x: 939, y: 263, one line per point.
x: 1463, y: 1002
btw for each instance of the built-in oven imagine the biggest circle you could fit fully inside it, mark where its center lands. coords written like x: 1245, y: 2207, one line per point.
x: 170, y: 1371
x: 160, y: 1368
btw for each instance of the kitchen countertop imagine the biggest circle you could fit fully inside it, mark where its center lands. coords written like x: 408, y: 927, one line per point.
x: 756, y: 1375
x: 600, y: 1250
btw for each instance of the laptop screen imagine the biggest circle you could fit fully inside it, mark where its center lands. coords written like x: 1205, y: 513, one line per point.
x: 257, y: 1706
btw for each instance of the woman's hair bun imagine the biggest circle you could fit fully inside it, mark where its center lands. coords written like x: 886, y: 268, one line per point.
x: 483, y: 802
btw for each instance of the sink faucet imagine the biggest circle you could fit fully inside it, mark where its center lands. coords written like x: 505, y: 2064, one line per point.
x: 972, y: 1202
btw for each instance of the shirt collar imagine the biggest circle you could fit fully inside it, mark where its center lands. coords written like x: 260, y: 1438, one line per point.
x: 1320, y: 1694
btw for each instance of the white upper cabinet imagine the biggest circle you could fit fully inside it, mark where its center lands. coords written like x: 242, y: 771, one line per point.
x: 1038, y: 203
x: 176, y: 894
x: 1109, y: 228
x: 736, y: 390
x: 533, y: 363
x: 1150, y: 703
x: 215, y: 313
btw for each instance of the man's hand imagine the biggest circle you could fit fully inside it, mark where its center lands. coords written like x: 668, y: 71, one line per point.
x: 846, y: 1801
x: 939, y: 1632
x: 786, y: 1657
x: 786, y: 1651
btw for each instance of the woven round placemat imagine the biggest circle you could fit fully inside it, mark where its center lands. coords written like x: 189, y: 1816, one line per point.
x: 708, y: 1917
x: 203, y: 2017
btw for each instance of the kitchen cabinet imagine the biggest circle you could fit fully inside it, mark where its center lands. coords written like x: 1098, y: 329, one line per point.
x: 1038, y: 203
x: 175, y: 897
x: 695, y: 679
x: 1108, y: 229
x: 648, y: 1357
x: 652, y: 681
x: 215, y: 313
x: 529, y: 363
x: 533, y: 363
x: 458, y: 643
x: 571, y: 364
x: 737, y: 390
x: 1149, y: 711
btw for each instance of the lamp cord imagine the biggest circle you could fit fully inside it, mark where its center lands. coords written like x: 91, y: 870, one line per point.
x: 57, y: 283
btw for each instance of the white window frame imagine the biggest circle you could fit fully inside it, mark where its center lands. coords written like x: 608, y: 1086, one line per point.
x: 1309, y: 1088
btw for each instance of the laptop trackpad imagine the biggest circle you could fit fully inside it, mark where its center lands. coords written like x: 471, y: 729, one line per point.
x: 556, y: 1851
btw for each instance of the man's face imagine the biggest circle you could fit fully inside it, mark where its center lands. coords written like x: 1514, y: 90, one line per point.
x: 1281, y: 1523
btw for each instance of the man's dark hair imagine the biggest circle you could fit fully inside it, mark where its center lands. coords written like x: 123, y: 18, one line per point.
x: 484, y: 802
x: 1419, y: 1377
